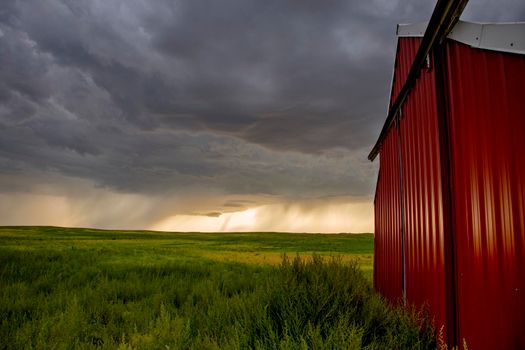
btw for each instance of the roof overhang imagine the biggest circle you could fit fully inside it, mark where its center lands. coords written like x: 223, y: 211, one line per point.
x: 444, y: 23
x: 444, y: 17
x: 504, y: 37
x: 411, y: 30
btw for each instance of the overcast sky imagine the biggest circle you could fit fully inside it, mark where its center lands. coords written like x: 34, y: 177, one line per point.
x: 198, y: 115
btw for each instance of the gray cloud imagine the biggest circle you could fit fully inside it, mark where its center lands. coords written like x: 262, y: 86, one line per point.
x: 231, y: 97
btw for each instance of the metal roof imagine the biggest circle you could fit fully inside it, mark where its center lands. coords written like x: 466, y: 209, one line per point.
x: 444, y: 23
x: 504, y: 37
x: 445, y: 15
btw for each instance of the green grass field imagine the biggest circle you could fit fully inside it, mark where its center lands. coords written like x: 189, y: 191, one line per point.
x: 67, y: 288
x: 152, y: 247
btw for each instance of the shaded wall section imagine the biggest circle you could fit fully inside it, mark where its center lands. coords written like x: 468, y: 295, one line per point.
x: 406, y: 51
x: 487, y: 145
x: 422, y: 198
x: 412, y: 156
x: 388, y: 272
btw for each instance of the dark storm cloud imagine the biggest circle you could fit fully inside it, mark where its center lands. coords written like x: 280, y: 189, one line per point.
x: 241, y: 96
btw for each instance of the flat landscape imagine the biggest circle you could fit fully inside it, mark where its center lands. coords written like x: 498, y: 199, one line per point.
x: 83, y: 288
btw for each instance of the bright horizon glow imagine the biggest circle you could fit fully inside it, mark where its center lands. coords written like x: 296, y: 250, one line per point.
x: 329, y: 218
x: 73, y: 202
x: 131, y: 212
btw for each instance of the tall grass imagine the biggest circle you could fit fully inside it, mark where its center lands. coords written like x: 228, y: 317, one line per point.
x: 75, y: 299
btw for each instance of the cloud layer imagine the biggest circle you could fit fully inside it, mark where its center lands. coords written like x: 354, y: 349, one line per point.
x: 204, y: 99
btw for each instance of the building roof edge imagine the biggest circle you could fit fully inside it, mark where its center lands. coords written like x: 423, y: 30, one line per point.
x: 445, y: 15
x: 504, y: 37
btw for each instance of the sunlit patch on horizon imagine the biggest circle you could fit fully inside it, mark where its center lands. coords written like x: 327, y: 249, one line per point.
x: 80, y: 203
x: 296, y: 217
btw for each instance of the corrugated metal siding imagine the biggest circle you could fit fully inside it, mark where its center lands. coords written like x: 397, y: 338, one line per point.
x: 423, y: 215
x: 487, y: 143
x: 406, y: 51
x: 387, y: 238
x: 422, y: 198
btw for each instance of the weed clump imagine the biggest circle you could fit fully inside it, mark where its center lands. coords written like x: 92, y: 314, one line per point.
x: 327, y: 304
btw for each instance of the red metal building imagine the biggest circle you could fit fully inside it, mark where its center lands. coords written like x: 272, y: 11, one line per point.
x: 450, y: 196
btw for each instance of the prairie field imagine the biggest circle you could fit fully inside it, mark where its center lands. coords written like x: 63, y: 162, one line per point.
x: 69, y: 288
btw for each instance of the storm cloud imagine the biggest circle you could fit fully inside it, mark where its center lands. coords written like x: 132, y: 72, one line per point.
x: 239, y: 103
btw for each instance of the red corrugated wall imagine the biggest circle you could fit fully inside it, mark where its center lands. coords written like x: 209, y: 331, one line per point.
x: 422, y: 198
x: 406, y: 51
x: 487, y: 144
x: 485, y: 137
x: 387, y: 238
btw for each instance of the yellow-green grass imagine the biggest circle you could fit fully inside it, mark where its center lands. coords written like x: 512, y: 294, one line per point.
x: 64, y: 288
x: 153, y: 247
